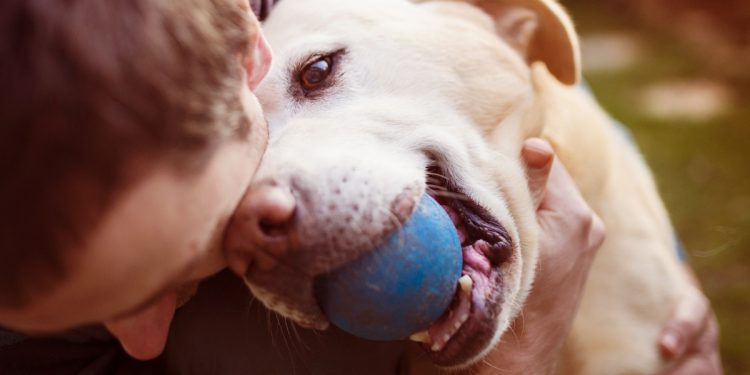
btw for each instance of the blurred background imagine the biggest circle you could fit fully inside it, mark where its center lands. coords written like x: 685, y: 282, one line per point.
x: 677, y: 73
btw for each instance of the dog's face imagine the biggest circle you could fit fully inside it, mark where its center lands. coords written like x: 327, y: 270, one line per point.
x: 370, y: 105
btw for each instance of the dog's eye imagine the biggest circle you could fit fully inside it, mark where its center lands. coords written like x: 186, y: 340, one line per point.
x: 314, y: 75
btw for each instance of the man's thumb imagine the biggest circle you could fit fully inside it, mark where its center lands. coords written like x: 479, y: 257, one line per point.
x: 538, y: 156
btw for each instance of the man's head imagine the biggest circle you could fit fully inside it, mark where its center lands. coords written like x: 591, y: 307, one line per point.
x: 128, y: 135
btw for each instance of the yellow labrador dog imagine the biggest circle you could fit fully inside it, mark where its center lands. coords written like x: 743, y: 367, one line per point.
x: 372, y: 103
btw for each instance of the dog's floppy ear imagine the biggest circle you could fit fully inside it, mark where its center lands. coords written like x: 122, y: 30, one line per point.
x: 539, y: 30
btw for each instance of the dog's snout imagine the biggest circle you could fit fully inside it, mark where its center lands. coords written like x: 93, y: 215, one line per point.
x: 260, y: 230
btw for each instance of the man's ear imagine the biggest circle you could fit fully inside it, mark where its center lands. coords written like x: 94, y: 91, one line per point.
x: 539, y: 30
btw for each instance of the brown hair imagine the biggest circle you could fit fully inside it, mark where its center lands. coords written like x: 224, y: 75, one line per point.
x: 87, y: 85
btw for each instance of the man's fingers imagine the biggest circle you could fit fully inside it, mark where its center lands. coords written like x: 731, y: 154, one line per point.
x: 597, y: 232
x: 688, y: 320
x: 702, y: 357
x: 538, y: 156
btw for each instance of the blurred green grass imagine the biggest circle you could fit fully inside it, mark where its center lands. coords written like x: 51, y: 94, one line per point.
x: 702, y: 167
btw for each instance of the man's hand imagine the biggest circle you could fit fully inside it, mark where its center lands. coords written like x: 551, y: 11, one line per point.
x: 570, y: 235
x: 690, y: 337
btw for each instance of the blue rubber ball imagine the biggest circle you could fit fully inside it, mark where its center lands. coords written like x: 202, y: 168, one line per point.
x: 403, y: 285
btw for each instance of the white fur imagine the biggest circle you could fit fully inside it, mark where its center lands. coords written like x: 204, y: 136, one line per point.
x: 435, y: 78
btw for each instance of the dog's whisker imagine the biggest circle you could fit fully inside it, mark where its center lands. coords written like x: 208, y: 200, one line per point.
x: 281, y: 325
x: 437, y: 187
x: 493, y: 366
x: 299, y: 337
x: 431, y: 174
x: 292, y: 352
x: 459, y: 372
x: 269, y: 326
x: 294, y: 341
x: 450, y: 194
x: 433, y: 186
x: 285, y: 324
x: 523, y: 322
x: 253, y: 300
x: 436, y: 177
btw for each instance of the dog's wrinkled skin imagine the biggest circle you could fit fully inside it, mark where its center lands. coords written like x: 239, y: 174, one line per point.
x: 460, y: 85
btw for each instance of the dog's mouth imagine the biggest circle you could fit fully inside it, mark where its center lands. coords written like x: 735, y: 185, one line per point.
x: 467, y: 328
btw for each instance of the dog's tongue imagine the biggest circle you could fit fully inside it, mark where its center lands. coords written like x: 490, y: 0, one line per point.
x: 143, y: 335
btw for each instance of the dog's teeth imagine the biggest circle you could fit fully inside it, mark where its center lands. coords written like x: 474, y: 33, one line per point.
x: 436, y: 347
x: 464, y: 318
x: 446, y: 337
x: 422, y: 337
x: 457, y: 325
x: 466, y: 283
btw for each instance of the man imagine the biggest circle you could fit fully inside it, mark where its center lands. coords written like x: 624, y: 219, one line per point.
x: 129, y: 134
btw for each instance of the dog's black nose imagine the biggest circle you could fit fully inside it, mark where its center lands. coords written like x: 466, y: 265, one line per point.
x: 259, y: 231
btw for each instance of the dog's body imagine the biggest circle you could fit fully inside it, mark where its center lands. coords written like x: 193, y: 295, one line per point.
x: 421, y: 85
x: 636, y: 277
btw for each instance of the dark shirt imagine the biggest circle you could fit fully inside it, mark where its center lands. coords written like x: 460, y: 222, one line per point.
x: 85, y: 351
x: 220, y: 331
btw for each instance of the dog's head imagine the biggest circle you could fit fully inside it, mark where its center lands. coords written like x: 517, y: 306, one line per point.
x: 371, y: 104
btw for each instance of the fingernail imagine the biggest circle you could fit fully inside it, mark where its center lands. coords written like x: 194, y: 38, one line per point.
x: 537, y: 152
x: 672, y: 343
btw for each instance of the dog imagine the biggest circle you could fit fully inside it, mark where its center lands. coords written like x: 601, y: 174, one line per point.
x: 372, y: 103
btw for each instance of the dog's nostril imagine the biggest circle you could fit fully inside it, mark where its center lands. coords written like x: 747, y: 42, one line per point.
x: 274, y: 211
x: 260, y: 230
x: 272, y: 229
